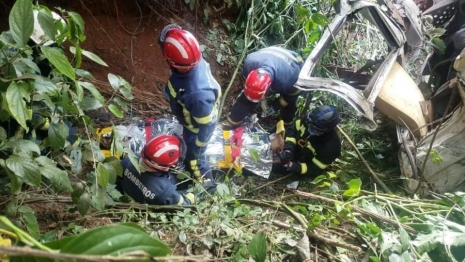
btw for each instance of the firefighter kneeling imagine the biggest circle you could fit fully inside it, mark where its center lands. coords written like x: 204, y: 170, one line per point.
x: 310, y: 145
x: 156, y: 182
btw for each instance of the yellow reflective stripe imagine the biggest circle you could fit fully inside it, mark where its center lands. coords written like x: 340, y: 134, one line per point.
x: 296, y: 92
x: 204, y: 120
x: 282, y: 101
x: 200, y: 143
x: 232, y: 121
x: 181, y: 201
x: 46, y: 124
x: 318, y: 163
x: 309, y: 146
x: 195, y: 169
x: 299, y: 59
x: 192, y: 129
x: 300, y: 127
x: 172, y: 92
x: 303, y: 168
x: 291, y: 139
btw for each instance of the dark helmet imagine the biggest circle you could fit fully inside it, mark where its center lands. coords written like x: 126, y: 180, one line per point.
x: 322, y: 119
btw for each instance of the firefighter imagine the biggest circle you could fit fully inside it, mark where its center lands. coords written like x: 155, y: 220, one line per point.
x: 193, y: 93
x: 310, y: 145
x: 268, y: 71
x: 156, y: 182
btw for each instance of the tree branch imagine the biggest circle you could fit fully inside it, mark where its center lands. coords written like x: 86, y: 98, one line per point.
x: 132, y: 256
x: 365, y: 163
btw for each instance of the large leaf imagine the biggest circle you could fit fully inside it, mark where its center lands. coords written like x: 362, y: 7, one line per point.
x: 320, y: 19
x: 121, y: 103
x: 47, y: 23
x: 94, y: 57
x: 17, y: 95
x: 257, y: 247
x: 57, y: 134
x: 93, y: 90
x: 114, y: 81
x: 115, y: 110
x: 25, y: 146
x: 116, y: 240
x: 45, y: 86
x: 58, y: 178
x: 90, y: 103
x: 3, y: 134
x: 59, y: 61
x: 126, y: 92
x: 102, y: 175
x: 354, y: 187
x: 79, y: 22
x: 21, y: 21
x: 428, y: 242
x: 31, y: 221
x: 26, y: 169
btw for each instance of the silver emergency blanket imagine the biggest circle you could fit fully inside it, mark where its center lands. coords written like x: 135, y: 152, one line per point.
x: 256, y: 156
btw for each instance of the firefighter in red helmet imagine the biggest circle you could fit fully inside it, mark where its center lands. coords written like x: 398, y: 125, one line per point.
x: 193, y: 93
x: 267, y: 71
x: 156, y: 182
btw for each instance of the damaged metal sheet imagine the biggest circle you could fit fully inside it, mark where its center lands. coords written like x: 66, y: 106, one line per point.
x: 446, y: 173
x: 255, y: 157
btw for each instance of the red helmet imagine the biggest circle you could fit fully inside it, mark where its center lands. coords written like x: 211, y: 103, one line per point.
x: 162, y: 152
x: 256, y: 85
x: 181, y: 49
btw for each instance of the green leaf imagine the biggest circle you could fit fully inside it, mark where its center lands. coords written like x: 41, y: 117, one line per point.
x: 24, y: 146
x: 47, y: 23
x: 90, y: 103
x: 254, y: 154
x: 404, y: 239
x: 222, y: 189
x: 354, y: 187
x: 115, y: 110
x: 134, y: 160
x: 45, y: 87
x: 320, y: 19
x: 308, y: 26
x: 115, y: 240
x: 31, y: 221
x: 121, y: 103
x: 257, y: 247
x: 102, y: 175
x: 84, y: 73
x: 17, y: 95
x: 439, y: 45
x: 24, y: 168
x: 79, y: 92
x: 406, y: 257
x: 83, y: 204
x: 3, y: 134
x: 428, y: 242
x: 94, y: 57
x: 114, y: 81
x: 59, y: 178
x: 57, y: 135
x: 21, y: 21
x: 93, y: 90
x: 59, y: 61
x: 79, y: 22
x: 126, y: 93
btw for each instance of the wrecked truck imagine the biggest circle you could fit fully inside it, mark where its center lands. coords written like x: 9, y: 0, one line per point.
x: 424, y: 126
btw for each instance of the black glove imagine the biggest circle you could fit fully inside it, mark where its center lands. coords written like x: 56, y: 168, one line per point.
x: 285, y: 156
x: 165, y: 30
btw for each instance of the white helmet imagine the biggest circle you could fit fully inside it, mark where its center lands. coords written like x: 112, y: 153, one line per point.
x: 38, y: 35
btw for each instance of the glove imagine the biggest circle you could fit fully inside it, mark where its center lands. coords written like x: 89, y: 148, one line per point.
x: 209, y: 186
x: 190, y: 197
x: 40, y: 122
x: 165, y: 30
x: 286, y: 156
